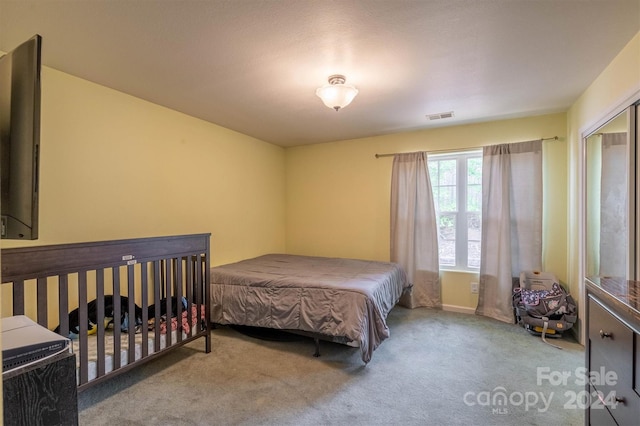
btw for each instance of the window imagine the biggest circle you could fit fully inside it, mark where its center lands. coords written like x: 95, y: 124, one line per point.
x: 456, y: 180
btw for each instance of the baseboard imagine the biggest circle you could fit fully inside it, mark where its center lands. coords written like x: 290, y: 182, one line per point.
x: 461, y: 309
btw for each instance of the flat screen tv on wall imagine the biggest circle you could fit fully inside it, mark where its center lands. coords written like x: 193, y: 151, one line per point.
x: 20, y: 140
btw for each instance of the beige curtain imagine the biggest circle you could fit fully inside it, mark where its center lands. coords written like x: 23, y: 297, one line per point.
x: 511, y: 223
x: 414, y: 230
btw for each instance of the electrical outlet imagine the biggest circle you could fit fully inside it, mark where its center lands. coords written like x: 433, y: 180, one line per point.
x: 474, y: 287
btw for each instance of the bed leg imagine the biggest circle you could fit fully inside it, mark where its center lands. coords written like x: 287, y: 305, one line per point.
x: 317, y: 342
x: 207, y: 342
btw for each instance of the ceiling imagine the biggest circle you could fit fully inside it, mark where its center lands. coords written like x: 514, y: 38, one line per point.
x: 253, y: 65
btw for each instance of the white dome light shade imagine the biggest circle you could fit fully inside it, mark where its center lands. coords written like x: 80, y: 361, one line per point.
x: 336, y: 94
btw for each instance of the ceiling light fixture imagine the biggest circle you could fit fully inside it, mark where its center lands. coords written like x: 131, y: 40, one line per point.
x: 336, y: 94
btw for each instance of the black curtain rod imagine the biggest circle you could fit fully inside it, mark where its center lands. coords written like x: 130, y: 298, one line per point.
x: 555, y: 138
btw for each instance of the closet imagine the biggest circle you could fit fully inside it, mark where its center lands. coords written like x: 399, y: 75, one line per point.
x: 612, y: 270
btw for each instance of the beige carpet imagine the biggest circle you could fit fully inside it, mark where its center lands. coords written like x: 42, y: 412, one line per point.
x: 437, y: 368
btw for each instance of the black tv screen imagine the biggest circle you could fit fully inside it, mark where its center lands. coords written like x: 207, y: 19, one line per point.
x: 20, y: 140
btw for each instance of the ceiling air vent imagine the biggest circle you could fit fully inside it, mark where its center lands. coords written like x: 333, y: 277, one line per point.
x: 439, y: 116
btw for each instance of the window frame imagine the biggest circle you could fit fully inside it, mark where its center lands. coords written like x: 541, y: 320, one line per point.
x: 461, y: 214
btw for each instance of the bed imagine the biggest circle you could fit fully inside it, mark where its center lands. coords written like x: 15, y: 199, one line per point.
x: 342, y: 300
x: 74, y: 289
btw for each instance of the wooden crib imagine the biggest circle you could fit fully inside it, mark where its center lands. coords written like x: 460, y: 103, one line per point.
x: 163, y: 282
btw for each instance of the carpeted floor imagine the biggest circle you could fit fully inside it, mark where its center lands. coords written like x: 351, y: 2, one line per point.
x: 437, y: 368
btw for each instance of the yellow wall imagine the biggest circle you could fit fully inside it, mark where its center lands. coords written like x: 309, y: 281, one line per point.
x: 114, y: 166
x: 615, y: 89
x: 338, y: 193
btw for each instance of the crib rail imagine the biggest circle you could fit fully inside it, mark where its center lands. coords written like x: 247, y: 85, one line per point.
x: 152, y: 277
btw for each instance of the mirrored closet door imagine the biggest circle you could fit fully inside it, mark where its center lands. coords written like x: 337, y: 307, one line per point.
x: 611, y: 186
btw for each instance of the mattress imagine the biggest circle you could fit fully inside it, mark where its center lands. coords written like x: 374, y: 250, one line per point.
x: 348, y: 299
x: 138, y: 343
x: 109, y: 359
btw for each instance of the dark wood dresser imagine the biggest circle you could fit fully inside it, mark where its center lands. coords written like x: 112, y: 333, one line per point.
x: 613, y: 351
x: 42, y: 394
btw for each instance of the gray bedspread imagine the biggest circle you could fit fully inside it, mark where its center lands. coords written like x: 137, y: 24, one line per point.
x: 343, y: 298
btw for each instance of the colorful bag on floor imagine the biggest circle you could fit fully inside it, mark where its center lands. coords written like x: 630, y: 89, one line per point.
x: 547, y: 312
